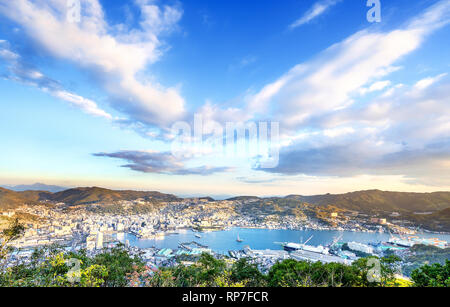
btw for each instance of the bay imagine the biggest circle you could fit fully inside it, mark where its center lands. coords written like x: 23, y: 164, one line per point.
x: 223, y: 241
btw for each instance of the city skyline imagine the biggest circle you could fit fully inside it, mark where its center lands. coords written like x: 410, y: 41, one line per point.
x: 91, y: 101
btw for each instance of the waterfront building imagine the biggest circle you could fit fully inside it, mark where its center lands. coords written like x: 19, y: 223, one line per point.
x: 99, y: 244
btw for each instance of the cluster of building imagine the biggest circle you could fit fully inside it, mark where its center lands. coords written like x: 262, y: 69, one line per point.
x: 82, y: 228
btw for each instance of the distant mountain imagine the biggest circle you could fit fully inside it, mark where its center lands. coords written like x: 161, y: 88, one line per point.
x: 375, y: 200
x: 10, y: 199
x: 37, y: 187
x: 81, y: 196
x: 78, y: 196
x: 243, y: 198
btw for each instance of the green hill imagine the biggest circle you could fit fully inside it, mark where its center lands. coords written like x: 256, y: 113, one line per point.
x: 373, y: 201
x: 378, y: 201
x: 79, y: 196
x: 11, y: 199
x: 438, y: 221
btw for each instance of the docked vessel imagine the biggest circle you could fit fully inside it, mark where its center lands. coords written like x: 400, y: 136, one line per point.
x: 401, y: 242
x: 411, y: 241
x: 291, y: 247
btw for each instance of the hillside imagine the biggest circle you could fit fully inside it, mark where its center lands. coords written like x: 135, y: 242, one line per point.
x: 11, y: 199
x: 36, y: 187
x: 79, y: 196
x: 373, y: 201
x: 244, y: 198
x: 439, y: 220
x: 378, y: 201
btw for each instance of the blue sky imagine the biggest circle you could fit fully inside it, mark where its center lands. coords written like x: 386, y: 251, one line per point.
x: 360, y: 105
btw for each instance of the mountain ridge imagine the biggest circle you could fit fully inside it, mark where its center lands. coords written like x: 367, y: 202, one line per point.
x: 368, y: 200
x: 36, y: 187
x: 376, y: 200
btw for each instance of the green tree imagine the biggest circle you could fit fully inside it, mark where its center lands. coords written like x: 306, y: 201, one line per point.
x: 14, y: 231
x: 202, y: 273
x: 161, y: 278
x: 389, y: 268
x: 52, y: 267
x: 119, y: 264
x: 291, y: 273
x: 435, y: 275
x: 244, y: 271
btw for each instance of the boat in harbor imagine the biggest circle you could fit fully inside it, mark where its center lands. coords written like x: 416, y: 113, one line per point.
x: 198, y: 236
x: 401, y: 242
x: 239, y: 239
x: 292, y: 247
x: 410, y: 241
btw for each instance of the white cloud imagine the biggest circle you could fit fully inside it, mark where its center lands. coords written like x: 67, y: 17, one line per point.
x: 161, y: 163
x: 157, y: 20
x: 377, y: 86
x: 114, y: 57
x: 85, y: 104
x: 6, y: 54
x: 406, y: 134
x: 424, y: 83
x: 21, y: 72
x: 331, y: 81
x: 330, y: 131
x: 318, y: 9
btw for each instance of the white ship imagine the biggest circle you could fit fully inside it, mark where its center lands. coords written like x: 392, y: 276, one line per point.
x: 401, y: 242
x: 411, y: 241
x: 290, y: 247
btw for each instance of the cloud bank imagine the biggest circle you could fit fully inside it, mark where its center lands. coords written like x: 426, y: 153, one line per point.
x: 160, y: 163
x: 18, y: 70
x: 332, y: 127
x: 114, y: 55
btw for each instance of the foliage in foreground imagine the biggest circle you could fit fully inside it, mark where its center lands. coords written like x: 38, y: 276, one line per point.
x: 436, y: 275
x: 52, y: 267
x: 211, y: 272
x: 116, y: 268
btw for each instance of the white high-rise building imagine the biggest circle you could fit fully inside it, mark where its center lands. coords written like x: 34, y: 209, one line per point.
x: 121, y: 236
x: 99, y: 244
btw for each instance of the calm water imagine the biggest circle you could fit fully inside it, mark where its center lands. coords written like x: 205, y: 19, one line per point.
x: 222, y: 241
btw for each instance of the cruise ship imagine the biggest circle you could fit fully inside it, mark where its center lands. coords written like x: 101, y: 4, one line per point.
x: 401, y: 242
x: 411, y: 241
x: 291, y: 247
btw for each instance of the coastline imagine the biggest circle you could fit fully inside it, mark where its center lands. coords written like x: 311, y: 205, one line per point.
x: 304, y: 228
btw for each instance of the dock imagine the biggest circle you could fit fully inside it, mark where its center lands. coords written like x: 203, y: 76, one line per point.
x: 302, y: 255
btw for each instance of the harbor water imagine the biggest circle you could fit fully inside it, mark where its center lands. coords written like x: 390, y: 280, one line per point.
x: 258, y: 239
